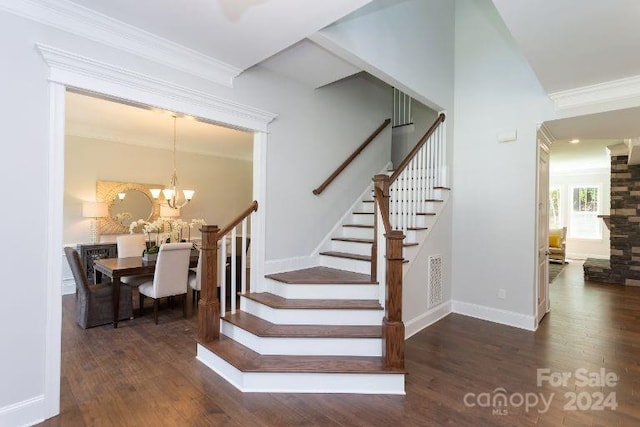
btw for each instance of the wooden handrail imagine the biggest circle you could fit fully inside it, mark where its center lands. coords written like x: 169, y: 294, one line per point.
x: 208, y: 305
x: 346, y: 163
x: 421, y: 142
x: 237, y: 220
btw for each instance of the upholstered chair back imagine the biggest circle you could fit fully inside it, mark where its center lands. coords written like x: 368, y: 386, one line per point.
x: 79, y: 274
x: 130, y: 245
x: 172, y: 270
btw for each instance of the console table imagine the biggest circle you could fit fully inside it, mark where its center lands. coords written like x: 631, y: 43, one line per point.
x: 91, y: 252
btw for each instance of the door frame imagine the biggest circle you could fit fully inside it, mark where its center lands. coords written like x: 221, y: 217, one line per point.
x: 544, y: 141
x: 71, y: 70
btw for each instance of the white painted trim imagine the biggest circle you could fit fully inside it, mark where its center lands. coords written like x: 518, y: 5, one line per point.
x: 68, y: 286
x: 431, y: 316
x: 289, y: 264
x: 279, y: 382
x: 71, y: 69
x: 54, y: 243
x: 546, y: 133
x: 25, y: 413
x: 496, y: 315
x: 303, y: 346
x: 614, y: 90
x: 258, y: 220
x: 81, y: 21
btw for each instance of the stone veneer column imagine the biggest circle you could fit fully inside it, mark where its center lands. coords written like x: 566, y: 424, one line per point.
x: 625, y: 222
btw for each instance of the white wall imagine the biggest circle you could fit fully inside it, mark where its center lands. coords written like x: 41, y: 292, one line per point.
x: 408, y: 41
x: 223, y: 186
x: 584, y: 248
x: 494, y: 185
x: 406, y: 137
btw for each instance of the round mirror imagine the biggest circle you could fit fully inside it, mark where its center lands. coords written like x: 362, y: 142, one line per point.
x: 134, y: 206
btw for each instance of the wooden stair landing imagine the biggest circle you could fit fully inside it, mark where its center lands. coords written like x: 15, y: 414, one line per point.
x: 247, y: 360
x: 275, y: 301
x: 322, y: 276
x: 264, y: 328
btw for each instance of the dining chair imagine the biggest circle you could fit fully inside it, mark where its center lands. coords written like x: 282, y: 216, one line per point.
x: 195, y: 280
x: 132, y: 245
x: 170, y: 277
x: 94, y: 305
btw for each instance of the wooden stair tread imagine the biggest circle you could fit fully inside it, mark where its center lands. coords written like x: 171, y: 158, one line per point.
x: 347, y: 255
x: 358, y: 226
x: 362, y: 213
x: 441, y: 188
x: 247, y: 360
x: 264, y: 328
x: 275, y: 301
x: 322, y: 276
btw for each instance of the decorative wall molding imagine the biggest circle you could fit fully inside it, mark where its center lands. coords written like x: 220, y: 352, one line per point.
x: 509, y: 318
x: 614, y: 90
x: 81, y: 21
x: 546, y: 133
x: 75, y: 70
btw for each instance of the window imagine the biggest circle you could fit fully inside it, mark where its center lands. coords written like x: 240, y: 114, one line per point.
x: 584, y: 221
x: 555, y: 214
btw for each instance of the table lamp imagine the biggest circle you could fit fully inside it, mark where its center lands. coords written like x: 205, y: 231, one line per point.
x: 94, y: 210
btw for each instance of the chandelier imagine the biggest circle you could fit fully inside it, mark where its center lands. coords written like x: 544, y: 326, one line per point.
x: 176, y: 197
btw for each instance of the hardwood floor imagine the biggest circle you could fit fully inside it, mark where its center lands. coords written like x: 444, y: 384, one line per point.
x: 147, y: 375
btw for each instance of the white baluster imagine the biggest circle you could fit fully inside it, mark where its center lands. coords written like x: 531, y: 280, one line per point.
x: 223, y: 276
x: 243, y: 266
x: 233, y: 290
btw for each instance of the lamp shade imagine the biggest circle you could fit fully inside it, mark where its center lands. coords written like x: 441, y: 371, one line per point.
x: 168, y: 212
x: 95, y: 209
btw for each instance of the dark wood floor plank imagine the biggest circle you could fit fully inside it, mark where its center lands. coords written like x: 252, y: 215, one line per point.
x: 147, y: 375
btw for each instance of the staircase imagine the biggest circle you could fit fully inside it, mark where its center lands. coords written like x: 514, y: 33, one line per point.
x: 332, y: 328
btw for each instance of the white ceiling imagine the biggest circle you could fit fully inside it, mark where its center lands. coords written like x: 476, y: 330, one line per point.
x: 241, y: 33
x: 96, y: 118
x: 575, y: 43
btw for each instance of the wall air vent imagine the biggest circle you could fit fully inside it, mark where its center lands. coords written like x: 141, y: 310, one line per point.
x: 435, y: 280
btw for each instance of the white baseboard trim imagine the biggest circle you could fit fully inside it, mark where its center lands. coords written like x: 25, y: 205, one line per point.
x: 25, y: 413
x: 415, y: 325
x: 504, y: 317
x: 288, y: 264
x: 68, y: 286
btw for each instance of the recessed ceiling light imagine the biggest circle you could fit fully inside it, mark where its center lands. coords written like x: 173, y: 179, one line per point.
x: 574, y: 141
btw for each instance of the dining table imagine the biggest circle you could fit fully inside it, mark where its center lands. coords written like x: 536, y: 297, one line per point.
x: 116, y: 268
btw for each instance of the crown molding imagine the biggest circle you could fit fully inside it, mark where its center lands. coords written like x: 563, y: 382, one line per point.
x: 81, y: 21
x: 614, y: 90
x: 78, y: 71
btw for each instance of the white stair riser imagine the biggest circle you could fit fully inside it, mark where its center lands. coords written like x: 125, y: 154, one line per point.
x: 357, y: 232
x: 420, y: 220
x: 351, y: 247
x: 303, y: 346
x: 282, y: 382
x: 311, y: 316
x: 366, y: 207
x: 337, y: 291
x: 354, y: 265
x: 364, y: 219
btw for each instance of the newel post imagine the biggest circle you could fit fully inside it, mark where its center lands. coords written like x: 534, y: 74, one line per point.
x: 208, y: 305
x: 392, y: 326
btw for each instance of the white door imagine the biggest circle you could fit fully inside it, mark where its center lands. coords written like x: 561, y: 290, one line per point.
x: 543, y: 305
